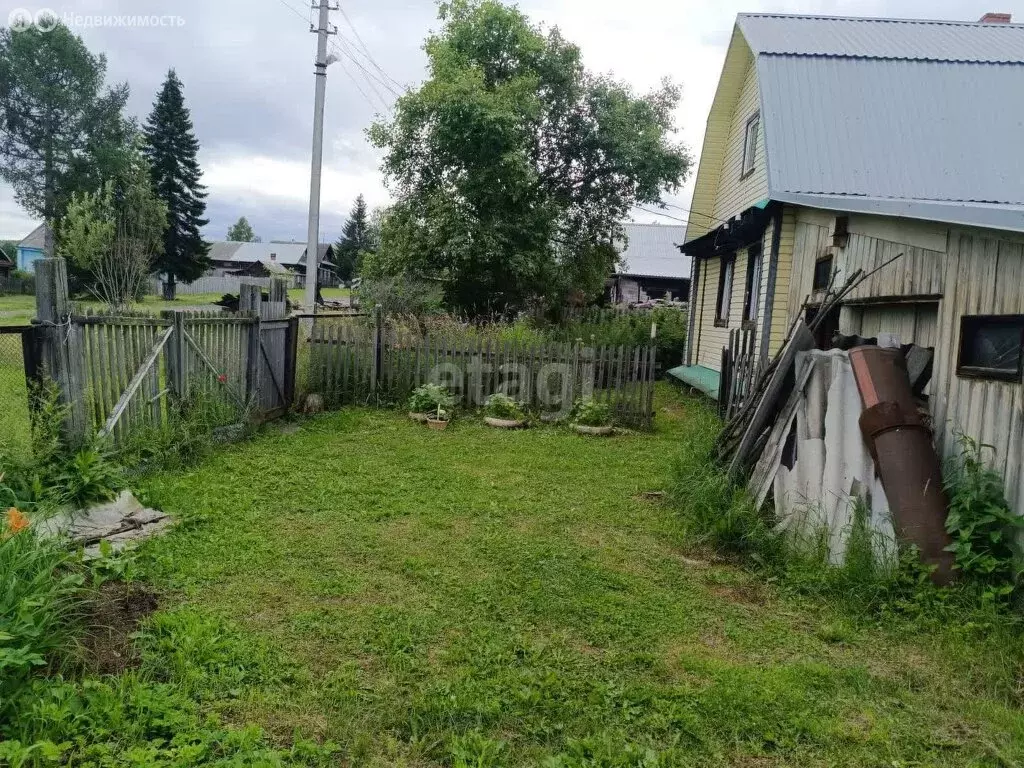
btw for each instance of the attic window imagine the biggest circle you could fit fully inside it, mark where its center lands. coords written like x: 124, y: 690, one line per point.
x: 273, y: 257
x: 991, y: 346
x: 750, y: 145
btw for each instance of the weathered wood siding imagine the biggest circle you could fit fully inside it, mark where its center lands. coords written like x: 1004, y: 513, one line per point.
x: 984, y: 275
x: 914, y: 323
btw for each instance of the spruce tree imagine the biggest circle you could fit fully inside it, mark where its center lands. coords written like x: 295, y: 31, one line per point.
x: 172, y: 149
x: 355, y: 240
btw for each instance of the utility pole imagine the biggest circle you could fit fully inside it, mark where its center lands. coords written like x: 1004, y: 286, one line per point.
x: 323, y: 29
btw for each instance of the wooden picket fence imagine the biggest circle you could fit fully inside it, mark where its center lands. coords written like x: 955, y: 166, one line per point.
x: 741, y: 365
x: 362, y: 361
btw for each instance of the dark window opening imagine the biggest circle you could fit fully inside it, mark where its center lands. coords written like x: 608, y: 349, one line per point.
x: 822, y: 273
x: 750, y: 145
x: 752, y: 290
x: 991, y: 346
x: 724, y: 300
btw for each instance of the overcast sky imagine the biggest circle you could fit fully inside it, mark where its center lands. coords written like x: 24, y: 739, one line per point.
x: 247, y: 70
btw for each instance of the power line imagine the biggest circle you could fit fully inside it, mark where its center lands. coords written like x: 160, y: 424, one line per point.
x: 665, y: 215
x: 366, y: 50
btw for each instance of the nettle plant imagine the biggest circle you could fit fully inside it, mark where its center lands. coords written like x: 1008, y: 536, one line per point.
x: 984, y: 529
x: 590, y: 413
x: 501, y: 406
x: 429, y: 398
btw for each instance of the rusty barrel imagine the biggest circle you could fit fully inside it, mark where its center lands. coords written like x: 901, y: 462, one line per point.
x: 905, y: 458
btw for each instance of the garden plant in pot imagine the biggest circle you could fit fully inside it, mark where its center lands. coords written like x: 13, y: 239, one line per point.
x: 439, y: 418
x: 590, y: 417
x: 425, y: 400
x: 503, y: 412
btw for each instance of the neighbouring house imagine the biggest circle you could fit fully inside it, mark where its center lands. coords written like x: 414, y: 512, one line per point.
x: 231, y: 258
x: 31, y: 248
x: 6, y: 264
x: 835, y: 144
x: 650, y: 266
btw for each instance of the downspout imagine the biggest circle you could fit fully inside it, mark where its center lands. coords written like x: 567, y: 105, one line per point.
x: 769, y: 296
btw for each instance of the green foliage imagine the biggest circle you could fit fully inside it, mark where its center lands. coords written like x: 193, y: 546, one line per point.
x: 241, y: 232
x: 58, y: 474
x: 501, y: 406
x: 173, y: 153
x: 513, y: 167
x: 591, y: 413
x: 985, y: 531
x: 56, y: 140
x: 39, y: 600
x: 358, y: 239
x: 400, y: 295
x: 430, y: 397
x: 628, y: 329
x: 87, y: 230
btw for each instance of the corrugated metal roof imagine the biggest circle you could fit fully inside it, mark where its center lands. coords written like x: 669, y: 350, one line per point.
x: 898, y: 118
x: 652, y: 251
x: 883, y: 38
x: 290, y: 254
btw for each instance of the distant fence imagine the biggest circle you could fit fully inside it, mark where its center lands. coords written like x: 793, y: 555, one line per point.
x: 217, y: 284
x: 11, y: 286
x: 361, y: 361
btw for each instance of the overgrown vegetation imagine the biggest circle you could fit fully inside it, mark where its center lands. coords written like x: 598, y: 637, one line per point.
x: 591, y: 413
x: 501, y: 406
x: 428, y: 398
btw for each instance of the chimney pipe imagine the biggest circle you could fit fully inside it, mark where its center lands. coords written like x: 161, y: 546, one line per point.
x: 996, y: 18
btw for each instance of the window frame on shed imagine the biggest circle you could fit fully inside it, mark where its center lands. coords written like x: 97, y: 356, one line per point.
x: 724, y: 298
x: 752, y: 287
x: 971, y: 324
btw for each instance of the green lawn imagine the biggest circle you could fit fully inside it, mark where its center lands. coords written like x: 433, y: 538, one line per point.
x: 485, y: 598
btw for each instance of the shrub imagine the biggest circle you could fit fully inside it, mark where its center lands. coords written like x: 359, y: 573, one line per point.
x: 590, y: 413
x: 501, y: 406
x: 429, y: 398
x: 984, y: 529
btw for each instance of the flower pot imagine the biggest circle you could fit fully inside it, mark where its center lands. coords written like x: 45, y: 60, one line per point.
x: 492, y: 421
x: 419, y: 416
x: 437, y: 423
x: 584, y: 429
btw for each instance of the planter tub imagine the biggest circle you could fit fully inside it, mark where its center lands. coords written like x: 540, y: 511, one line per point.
x: 583, y: 429
x: 437, y: 424
x: 491, y: 421
x: 418, y: 416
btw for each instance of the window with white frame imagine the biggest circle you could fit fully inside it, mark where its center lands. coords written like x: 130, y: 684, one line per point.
x: 722, y: 305
x: 752, y: 290
x: 750, y: 145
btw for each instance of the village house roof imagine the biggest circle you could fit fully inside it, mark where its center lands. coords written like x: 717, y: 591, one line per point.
x: 35, y: 239
x: 902, y: 118
x: 652, y: 250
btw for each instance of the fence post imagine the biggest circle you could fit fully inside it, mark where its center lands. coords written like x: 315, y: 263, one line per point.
x: 61, y: 361
x: 290, y: 357
x: 378, y: 323
x: 249, y: 299
x: 177, y: 374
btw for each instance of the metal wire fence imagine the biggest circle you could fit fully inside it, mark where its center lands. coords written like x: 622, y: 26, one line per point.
x: 15, y: 427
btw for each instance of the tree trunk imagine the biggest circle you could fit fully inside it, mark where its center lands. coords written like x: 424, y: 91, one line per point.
x: 170, y: 288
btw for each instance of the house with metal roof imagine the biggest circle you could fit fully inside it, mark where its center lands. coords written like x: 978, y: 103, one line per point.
x: 31, y: 248
x: 269, y: 259
x: 835, y: 144
x: 650, y: 265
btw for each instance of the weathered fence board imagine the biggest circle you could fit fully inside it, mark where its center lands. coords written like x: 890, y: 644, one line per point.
x: 359, y: 361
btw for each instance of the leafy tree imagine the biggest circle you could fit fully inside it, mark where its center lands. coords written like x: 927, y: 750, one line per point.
x: 241, y: 232
x: 356, y: 241
x: 172, y: 150
x: 61, y: 129
x: 114, y: 234
x: 513, y: 167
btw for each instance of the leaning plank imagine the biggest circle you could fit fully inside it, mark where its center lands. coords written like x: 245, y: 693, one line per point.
x: 135, y: 383
x: 206, y: 361
x: 776, y: 391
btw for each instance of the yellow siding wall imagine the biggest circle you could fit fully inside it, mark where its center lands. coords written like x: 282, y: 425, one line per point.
x: 735, y: 195
x: 780, y: 309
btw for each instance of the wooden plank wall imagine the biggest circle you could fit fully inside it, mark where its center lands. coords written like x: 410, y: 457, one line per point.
x: 984, y: 273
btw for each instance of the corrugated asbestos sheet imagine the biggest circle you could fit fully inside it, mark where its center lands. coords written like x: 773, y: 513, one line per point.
x: 883, y: 38
x: 652, y: 251
x: 916, y: 130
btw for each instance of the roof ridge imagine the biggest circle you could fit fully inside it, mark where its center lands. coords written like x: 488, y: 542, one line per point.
x: 883, y: 20
x: 872, y: 57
